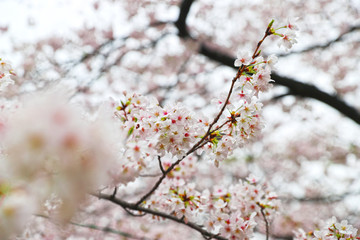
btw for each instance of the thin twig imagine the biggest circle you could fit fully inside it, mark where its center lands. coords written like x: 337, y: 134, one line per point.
x: 133, y: 214
x: 160, y: 165
x: 266, y: 222
x: 115, y: 191
x: 157, y: 184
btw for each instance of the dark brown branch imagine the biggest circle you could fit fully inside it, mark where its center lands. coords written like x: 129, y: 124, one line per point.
x: 284, y: 237
x: 321, y: 199
x: 136, y: 207
x: 306, y: 90
x: 296, y: 88
x: 160, y: 165
x: 159, y: 181
x: 181, y: 21
x: 266, y: 222
x: 115, y: 191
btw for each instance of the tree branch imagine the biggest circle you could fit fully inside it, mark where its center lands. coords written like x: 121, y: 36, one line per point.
x: 136, y: 207
x: 321, y: 199
x: 266, y: 222
x: 296, y: 88
x: 306, y: 90
x: 181, y: 21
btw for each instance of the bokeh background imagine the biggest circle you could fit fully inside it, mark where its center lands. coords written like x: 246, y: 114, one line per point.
x: 183, y: 51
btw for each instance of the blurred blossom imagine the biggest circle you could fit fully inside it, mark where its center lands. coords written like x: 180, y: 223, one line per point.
x: 49, y: 148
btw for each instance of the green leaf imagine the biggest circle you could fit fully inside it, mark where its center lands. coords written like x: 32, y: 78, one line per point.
x: 131, y: 130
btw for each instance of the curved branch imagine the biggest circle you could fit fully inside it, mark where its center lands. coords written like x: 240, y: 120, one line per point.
x: 136, y: 207
x: 296, y: 88
x: 306, y: 90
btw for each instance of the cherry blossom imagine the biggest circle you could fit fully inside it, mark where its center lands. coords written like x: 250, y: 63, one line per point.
x: 288, y: 40
x: 6, y: 73
x: 242, y: 58
x: 331, y: 230
x: 67, y: 153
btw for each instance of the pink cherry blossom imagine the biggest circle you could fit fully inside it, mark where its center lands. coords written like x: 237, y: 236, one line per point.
x: 242, y: 58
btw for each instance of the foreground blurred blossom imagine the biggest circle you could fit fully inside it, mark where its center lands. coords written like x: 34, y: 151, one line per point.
x: 15, y: 209
x: 49, y: 148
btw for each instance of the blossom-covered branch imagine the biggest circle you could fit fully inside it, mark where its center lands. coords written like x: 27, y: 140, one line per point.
x: 295, y: 87
x: 150, y: 161
x: 136, y: 207
x: 259, y: 80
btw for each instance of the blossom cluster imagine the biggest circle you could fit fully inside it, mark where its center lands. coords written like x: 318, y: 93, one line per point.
x: 150, y: 131
x: 157, y: 131
x: 226, y: 210
x: 332, y: 230
x: 62, y: 155
x: 6, y: 72
x: 171, y: 129
x: 288, y: 38
x: 242, y: 120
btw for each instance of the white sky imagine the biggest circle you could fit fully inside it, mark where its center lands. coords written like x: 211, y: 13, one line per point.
x: 47, y: 16
x: 32, y: 20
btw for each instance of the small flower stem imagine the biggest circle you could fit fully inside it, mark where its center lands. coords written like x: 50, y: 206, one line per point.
x: 266, y: 222
x: 160, y: 165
